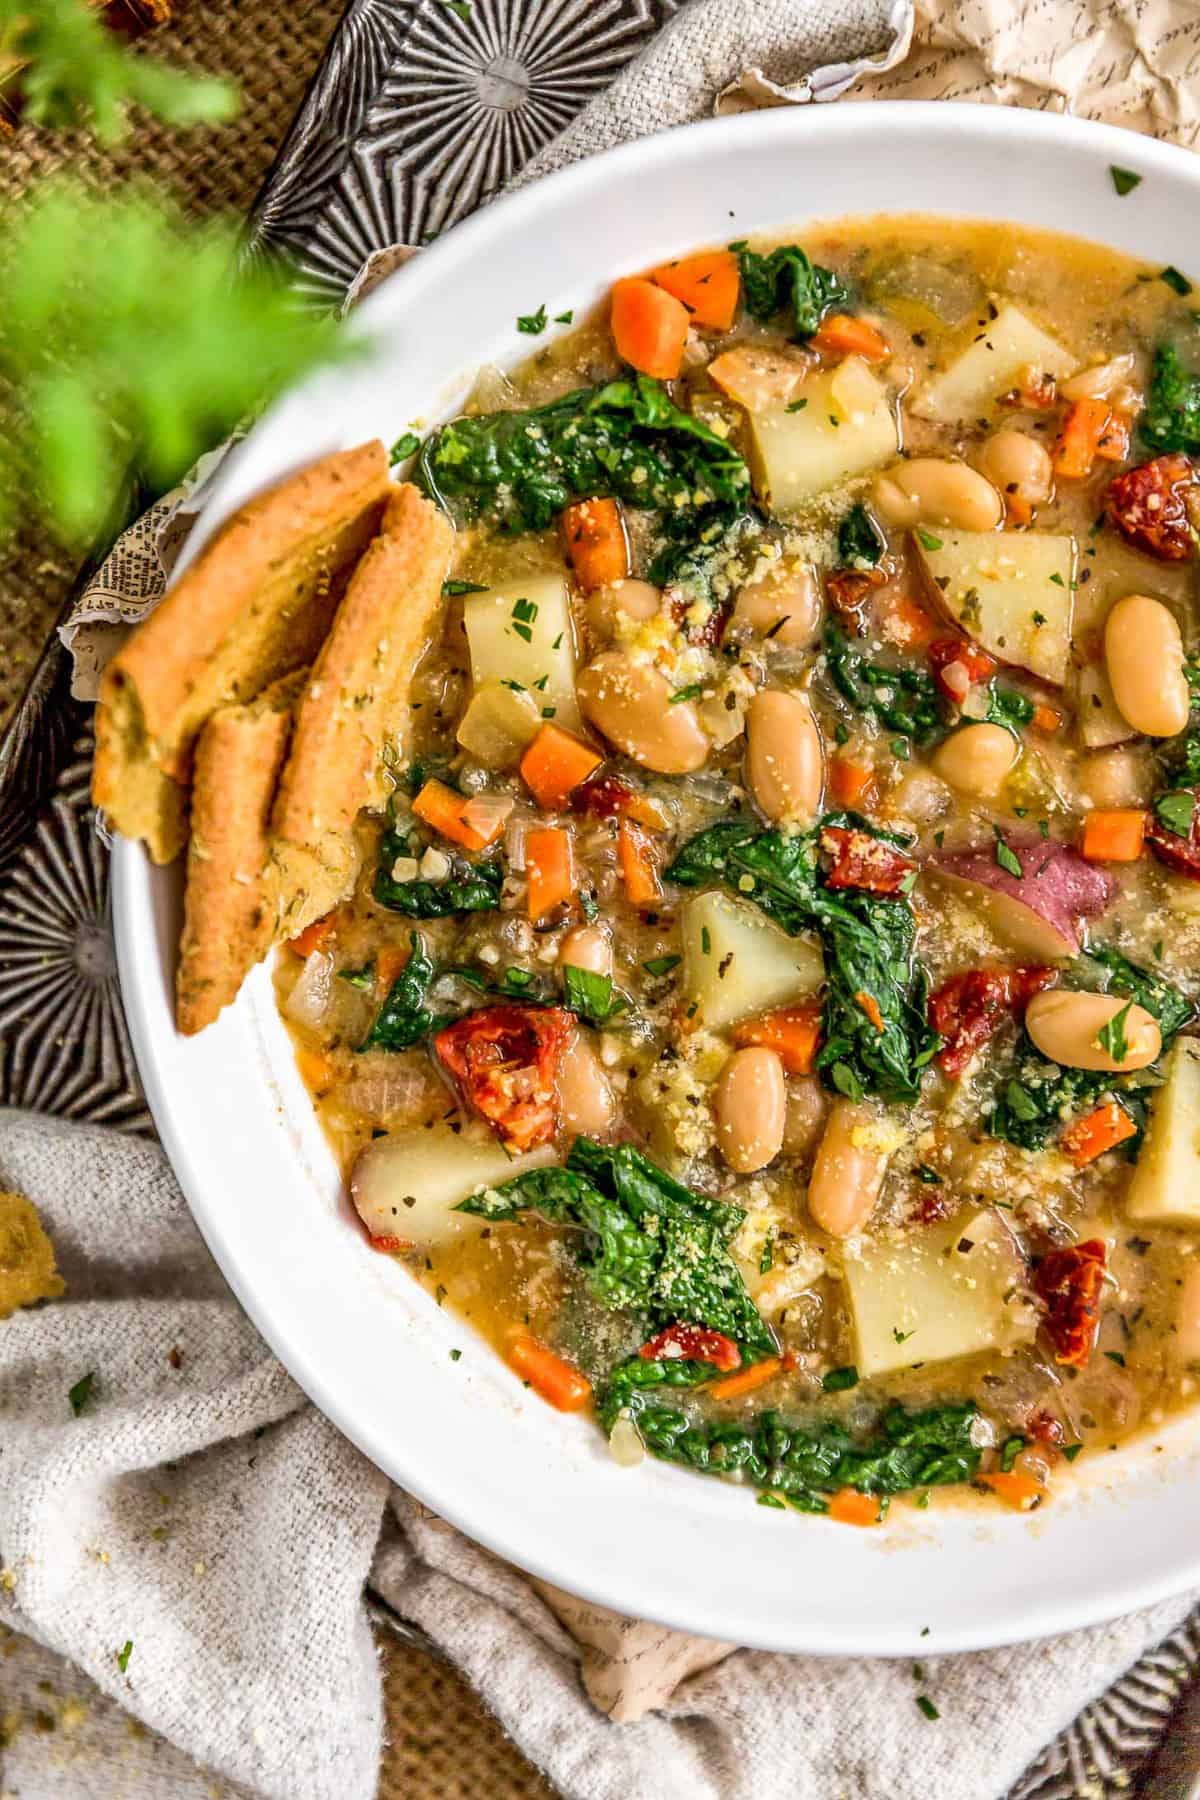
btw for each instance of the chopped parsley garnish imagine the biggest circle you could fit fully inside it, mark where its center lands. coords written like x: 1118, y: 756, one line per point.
x: 1123, y: 180
x: 124, y: 1654
x: 1179, y: 284
x: 1111, y: 1036
x: 591, y: 996
x: 927, y: 540
x: 450, y: 589
x: 661, y: 965
x: 836, y: 1381
x: 693, y: 692
x: 565, y: 318
x: 81, y: 1393
x: 796, y: 405
x: 1114, y: 1356
x: 927, y: 1707
x: 532, y: 324
x: 929, y: 1176
x: 404, y: 447
x: 1006, y: 858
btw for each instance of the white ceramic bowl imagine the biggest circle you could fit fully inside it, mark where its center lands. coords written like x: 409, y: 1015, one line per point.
x: 360, y: 1336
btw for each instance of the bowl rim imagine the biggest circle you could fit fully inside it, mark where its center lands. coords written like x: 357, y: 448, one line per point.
x: 140, y: 937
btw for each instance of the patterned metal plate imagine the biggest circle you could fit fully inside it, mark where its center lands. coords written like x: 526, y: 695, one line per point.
x: 420, y: 112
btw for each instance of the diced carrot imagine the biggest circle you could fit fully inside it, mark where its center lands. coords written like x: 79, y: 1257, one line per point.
x: 550, y: 1376
x: 870, y: 1006
x: 555, y: 764
x: 313, y: 936
x: 849, y: 1507
x: 390, y: 962
x: 649, y: 327
x: 747, y: 1380
x: 1018, y: 509
x: 843, y: 335
x: 1014, y: 1488
x: 793, y: 1032
x: 1087, y: 1138
x: 391, y: 1246
x: 597, y: 545
x: 848, y: 780
x: 1116, y: 836
x: 550, y: 869
x: 1091, y: 429
x: 317, y: 1070
x: 1047, y: 719
x: 639, y: 866
x: 474, y: 823
x: 708, y: 285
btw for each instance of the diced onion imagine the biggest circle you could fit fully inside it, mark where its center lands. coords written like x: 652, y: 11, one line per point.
x: 308, y: 1001
x: 624, y: 1441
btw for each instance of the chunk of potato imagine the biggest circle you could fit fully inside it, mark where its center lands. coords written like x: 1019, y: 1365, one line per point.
x: 951, y: 1290
x: 1009, y: 591
x: 737, y: 963
x: 995, y: 361
x: 407, y: 1184
x: 1166, y: 1181
x: 498, y: 724
x: 1098, y: 719
x: 522, y: 631
x: 840, y: 424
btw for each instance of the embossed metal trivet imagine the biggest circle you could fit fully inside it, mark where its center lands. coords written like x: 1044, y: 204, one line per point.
x: 419, y: 112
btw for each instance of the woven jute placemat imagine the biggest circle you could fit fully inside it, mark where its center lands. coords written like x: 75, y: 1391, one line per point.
x: 443, y: 1744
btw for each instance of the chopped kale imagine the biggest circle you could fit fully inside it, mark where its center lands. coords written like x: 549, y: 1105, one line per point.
x: 691, y: 546
x: 471, y: 886
x: 625, y: 439
x: 1008, y: 706
x: 1171, y: 419
x: 803, y: 1463
x: 859, y: 539
x: 649, y: 1246
x: 404, y: 1019
x: 1113, y: 973
x: 787, y: 282
x: 905, y: 700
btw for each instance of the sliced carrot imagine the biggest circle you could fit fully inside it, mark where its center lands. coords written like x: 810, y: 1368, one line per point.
x: 474, y: 823
x: 1116, y: 836
x: 1047, y: 719
x: 1087, y: 1138
x: 317, y: 1070
x: 550, y: 1376
x: 1014, y: 1488
x: 843, y: 335
x: 649, y: 327
x: 597, y: 545
x: 1091, y: 429
x: 747, y: 1380
x: 550, y: 869
x: 639, y: 866
x: 314, y: 936
x: 390, y: 962
x: 849, y: 1507
x: 708, y: 285
x: 870, y: 1006
x: 793, y: 1032
x: 848, y: 780
x: 555, y: 764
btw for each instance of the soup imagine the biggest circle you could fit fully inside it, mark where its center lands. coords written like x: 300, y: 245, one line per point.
x: 765, y: 1011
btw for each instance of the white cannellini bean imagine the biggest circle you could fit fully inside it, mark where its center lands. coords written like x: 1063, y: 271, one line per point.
x: 631, y: 704
x: 1065, y: 1024
x: 749, y: 1109
x: 586, y: 1103
x: 849, y: 1170
x: 785, y: 763
x: 1143, y: 655
x: 977, y: 759
x: 933, y: 490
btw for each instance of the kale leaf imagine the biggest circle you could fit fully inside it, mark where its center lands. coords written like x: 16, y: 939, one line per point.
x: 869, y: 940
x: 1171, y: 419
x: 803, y: 1463
x: 905, y: 700
x: 626, y: 439
x: 1008, y: 706
x: 859, y: 539
x: 469, y: 887
x: 404, y: 1019
x: 1040, y: 1096
x: 650, y: 1245
x: 691, y: 546
x: 786, y: 281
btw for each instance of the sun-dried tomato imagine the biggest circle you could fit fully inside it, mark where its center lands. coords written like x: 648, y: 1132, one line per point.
x: 847, y: 591
x: 602, y: 797
x: 1179, y: 853
x: 968, y: 1009
x: 957, y: 665
x: 863, y: 861
x: 1149, y: 507
x: 504, y: 1060
x: 1069, y: 1282
x: 693, y: 1343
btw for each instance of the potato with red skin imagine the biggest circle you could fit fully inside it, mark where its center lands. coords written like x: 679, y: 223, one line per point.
x: 1151, y: 506
x: 1039, y: 914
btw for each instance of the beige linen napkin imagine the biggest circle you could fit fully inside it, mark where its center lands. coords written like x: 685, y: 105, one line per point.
x: 201, y: 1511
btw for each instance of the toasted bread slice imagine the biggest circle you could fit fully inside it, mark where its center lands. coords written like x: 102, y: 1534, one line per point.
x: 355, y: 701
x: 230, y: 906
x: 256, y: 603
